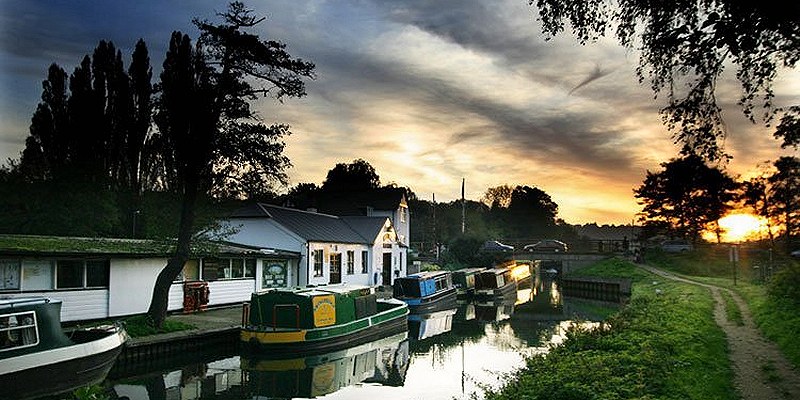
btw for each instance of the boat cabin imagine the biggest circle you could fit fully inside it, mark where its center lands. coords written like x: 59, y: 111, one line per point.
x: 495, y: 282
x: 423, y: 284
x: 464, y: 280
x: 29, y: 325
x: 313, y: 307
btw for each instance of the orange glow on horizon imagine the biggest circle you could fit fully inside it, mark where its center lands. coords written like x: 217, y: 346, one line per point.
x: 738, y: 227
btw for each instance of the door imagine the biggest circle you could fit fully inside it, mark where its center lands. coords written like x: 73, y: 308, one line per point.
x: 387, y: 268
x: 336, y: 268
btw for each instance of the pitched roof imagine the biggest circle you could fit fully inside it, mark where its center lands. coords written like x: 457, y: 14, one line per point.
x: 367, y: 227
x: 318, y: 227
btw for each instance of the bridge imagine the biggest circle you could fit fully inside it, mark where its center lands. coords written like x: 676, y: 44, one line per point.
x: 569, y: 261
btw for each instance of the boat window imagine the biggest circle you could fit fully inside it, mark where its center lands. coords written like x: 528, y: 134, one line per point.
x: 18, y: 331
x: 406, y: 288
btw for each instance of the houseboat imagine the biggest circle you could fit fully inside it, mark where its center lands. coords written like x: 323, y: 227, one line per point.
x: 37, y: 358
x: 464, y: 281
x: 426, y: 291
x: 319, y: 319
x: 495, y: 282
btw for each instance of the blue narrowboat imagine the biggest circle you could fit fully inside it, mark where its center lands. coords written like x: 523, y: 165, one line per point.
x: 426, y: 291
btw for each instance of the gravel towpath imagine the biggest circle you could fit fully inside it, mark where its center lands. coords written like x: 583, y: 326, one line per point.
x: 761, y: 372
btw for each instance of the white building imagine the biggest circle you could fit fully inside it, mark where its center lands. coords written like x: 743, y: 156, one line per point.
x: 353, y: 249
x: 98, y: 278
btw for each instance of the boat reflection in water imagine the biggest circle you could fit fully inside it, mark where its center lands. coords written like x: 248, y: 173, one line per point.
x: 383, y: 362
x: 423, y: 326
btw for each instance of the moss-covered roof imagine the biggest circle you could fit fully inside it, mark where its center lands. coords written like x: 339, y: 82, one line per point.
x: 31, y: 245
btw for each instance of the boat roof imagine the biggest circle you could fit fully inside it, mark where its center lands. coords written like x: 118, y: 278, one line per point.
x: 338, y: 288
x: 495, y: 271
x: 425, y: 275
x: 470, y: 270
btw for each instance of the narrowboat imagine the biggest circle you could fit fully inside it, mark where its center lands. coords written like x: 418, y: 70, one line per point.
x: 319, y: 319
x: 426, y: 291
x: 495, y: 282
x: 37, y: 358
x: 464, y: 281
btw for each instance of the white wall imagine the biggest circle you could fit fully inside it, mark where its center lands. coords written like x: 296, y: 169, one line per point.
x: 131, y: 283
x: 76, y: 305
x: 327, y: 249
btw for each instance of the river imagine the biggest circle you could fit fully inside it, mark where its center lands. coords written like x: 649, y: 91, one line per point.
x: 444, y: 355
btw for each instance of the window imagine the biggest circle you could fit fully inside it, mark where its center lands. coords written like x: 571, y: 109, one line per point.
x: 18, y: 330
x: 250, y: 268
x: 37, y: 275
x: 81, y: 274
x: 403, y: 214
x: 69, y: 274
x: 317, y: 262
x: 9, y: 274
x: 336, y: 263
x: 364, y: 264
x: 228, y: 268
x: 97, y: 273
x: 351, y: 262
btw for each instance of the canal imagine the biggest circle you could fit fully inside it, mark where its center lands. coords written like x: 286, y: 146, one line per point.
x: 444, y: 355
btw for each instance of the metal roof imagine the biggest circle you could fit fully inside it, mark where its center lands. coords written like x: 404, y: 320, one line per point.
x: 318, y: 227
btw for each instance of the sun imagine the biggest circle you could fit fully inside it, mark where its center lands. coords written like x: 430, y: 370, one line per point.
x: 738, y: 227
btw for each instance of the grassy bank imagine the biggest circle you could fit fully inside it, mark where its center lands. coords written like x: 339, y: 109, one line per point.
x: 777, y: 317
x: 663, y: 345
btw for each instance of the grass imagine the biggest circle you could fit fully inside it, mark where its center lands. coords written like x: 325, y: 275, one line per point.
x: 140, y: 326
x: 663, y: 345
x: 778, y: 318
x: 732, y: 312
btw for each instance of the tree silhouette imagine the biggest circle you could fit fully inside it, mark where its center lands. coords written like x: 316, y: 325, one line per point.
x: 205, y: 120
x: 785, y: 194
x: 692, y: 42
x: 358, y: 175
x: 687, y: 194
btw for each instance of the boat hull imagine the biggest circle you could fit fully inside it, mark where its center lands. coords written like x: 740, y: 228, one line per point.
x: 326, y: 339
x: 507, y: 291
x: 439, y: 301
x: 61, y: 369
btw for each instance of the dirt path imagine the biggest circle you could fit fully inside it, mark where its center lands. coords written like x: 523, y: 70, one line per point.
x: 761, y: 372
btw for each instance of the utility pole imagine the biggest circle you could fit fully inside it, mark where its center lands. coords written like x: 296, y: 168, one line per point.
x: 463, y: 208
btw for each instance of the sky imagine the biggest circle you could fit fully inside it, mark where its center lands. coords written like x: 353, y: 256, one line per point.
x: 428, y: 92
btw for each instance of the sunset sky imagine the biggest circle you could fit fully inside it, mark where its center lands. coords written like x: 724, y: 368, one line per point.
x: 428, y: 92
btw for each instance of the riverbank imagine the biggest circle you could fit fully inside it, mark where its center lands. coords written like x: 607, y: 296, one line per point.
x: 664, y: 344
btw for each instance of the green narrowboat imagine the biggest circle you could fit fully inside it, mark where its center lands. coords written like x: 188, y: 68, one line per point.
x: 318, y: 319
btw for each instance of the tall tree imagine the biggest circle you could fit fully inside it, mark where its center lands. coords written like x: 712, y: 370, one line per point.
x: 687, y: 194
x: 531, y: 212
x: 785, y: 194
x: 46, y: 149
x: 692, y: 42
x: 204, y: 115
x: 498, y: 196
x: 358, y: 175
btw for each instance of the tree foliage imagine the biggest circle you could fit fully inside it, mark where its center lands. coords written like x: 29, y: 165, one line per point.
x: 206, y: 123
x: 358, y: 175
x: 684, y: 49
x: 686, y: 194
